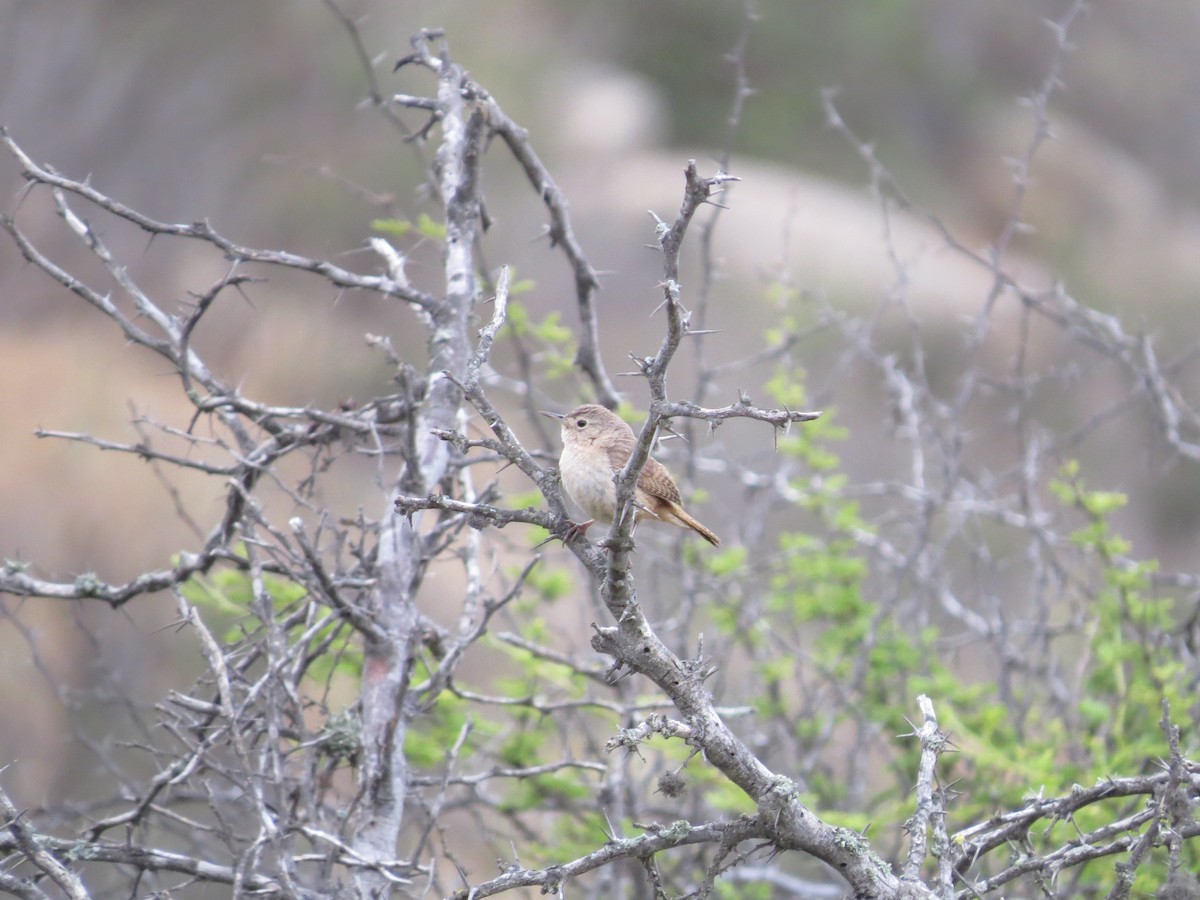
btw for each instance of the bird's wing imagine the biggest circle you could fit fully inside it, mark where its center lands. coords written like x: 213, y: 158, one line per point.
x: 655, y: 480
x: 619, y: 451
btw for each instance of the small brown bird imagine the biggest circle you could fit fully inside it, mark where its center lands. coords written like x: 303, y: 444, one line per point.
x: 597, y: 444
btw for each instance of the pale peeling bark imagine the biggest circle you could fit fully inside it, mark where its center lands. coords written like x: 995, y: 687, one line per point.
x: 386, y: 705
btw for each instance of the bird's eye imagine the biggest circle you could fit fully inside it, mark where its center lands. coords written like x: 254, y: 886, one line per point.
x: 581, y: 423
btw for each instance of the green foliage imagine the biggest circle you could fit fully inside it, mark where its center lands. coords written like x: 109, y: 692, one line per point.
x: 549, y: 583
x: 728, y: 563
x: 551, y: 331
x: 526, y: 737
x: 553, y: 342
x: 425, y: 226
x: 534, y: 535
x: 529, y: 499
x: 635, y: 417
x: 806, y: 442
x: 432, y: 735
x: 823, y: 631
x: 532, y: 673
x: 519, y: 286
x: 742, y: 890
x: 545, y: 791
x: 396, y: 228
x: 876, y: 664
x: 1134, y: 668
x: 527, y: 747
x: 573, y: 835
x: 428, y: 228
x: 225, y: 596
x: 226, y: 599
x: 521, y: 748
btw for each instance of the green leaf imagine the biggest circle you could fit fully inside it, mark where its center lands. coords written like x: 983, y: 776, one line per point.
x: 428, y: 228
x: 727, y: 562
x: 392, y: 227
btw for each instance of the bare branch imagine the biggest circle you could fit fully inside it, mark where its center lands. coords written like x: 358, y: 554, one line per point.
x: 31, y: 846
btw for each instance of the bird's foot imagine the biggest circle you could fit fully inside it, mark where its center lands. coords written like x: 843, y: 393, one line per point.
x: 574, y: 530
x: 577, y: 529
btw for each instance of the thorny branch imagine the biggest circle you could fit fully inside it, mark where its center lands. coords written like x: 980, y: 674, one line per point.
x: 272, y: 786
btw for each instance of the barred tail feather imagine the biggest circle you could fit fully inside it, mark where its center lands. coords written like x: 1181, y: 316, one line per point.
x: 684, y: 519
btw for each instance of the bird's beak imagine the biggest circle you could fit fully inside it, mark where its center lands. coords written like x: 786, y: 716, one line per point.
x: 552, y: 415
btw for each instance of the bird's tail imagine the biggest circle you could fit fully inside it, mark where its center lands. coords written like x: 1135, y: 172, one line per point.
x: 684, y: 519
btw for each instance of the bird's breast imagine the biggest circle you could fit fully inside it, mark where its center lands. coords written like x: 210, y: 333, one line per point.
x: 589, y: 481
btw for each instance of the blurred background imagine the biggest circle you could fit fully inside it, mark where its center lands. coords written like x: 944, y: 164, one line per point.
x: 250, y: 116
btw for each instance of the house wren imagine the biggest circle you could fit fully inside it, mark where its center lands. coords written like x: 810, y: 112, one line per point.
x: 596, y: 446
